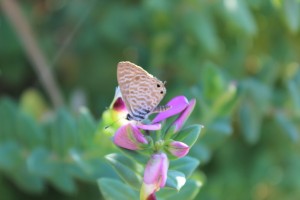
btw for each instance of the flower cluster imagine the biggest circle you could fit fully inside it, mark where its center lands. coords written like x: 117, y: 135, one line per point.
x: 131, y: 135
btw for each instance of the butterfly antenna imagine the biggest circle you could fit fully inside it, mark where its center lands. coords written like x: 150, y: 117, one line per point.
x: 106, y: 127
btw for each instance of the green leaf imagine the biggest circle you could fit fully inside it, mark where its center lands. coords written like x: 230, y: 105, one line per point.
x: 136, y: 156
x: 201, y: 152
x: 112, y: 190
x: 63, y: 133
x: 91, y: 168
x: 295, y: 95
x: 240, y: 17
x: 222, y: 126
x: 101, y: 168
x: 10, y: 156
x: 250, y: 119
x: 82, y: 169
x: 126, y: 169
x: 8, y: 113
x: 86, y: 127
x: 258, y: 92
x: 291, y: 9
x: 175, y: 180
x: 28, y: 181
x: 185, y: 165
x: 188, y: 191
x: 189, y: 135
x: 226, y: 100
x: 204, y: 30
x: 212, y: 81
x: 287, y: 125
x: 28, y: 132
x: 61, y: 178
x: 38, y: 162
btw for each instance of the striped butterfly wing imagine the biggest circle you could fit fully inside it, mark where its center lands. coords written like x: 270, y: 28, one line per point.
x: 141, y: 91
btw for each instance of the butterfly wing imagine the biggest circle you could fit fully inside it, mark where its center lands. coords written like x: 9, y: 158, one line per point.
x: 140, y: 90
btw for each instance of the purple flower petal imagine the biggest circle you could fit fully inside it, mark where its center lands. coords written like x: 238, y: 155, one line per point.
x: 156, y: 170
x: 129, y: 137
x: 179, y: 122
x: 177, y: 105
x: 150, y: 127
x: 119, y: 105
x: 178, y: 149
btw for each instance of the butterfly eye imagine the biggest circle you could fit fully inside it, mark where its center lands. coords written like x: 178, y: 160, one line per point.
x: 161, y: 92
x: 158, y: 85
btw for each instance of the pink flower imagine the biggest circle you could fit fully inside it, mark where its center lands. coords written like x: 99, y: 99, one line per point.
x: 178, y: 149
x: 129, y: 137
x: 118, y: 104
x: 178, y: 105
x: 132, y: 135
x: 180, y: 121
x: 155, y: 175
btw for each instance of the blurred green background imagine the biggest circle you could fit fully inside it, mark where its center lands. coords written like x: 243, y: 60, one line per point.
x: 238, y: 58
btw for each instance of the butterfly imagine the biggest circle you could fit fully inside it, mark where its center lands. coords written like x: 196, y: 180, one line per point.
x: 140, y: 91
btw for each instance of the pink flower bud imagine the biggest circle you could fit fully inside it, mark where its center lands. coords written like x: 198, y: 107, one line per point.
x: 118, y: 104
x: 155, y: 175
x: 129, y: 137
x: 178, y: 149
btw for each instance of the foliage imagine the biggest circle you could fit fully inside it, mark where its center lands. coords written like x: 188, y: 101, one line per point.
x: 54, y: 149
x: 238, y: 58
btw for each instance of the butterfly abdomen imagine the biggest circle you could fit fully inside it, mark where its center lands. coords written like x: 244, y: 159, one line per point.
x: 138, y: 115
x: 162, y: 108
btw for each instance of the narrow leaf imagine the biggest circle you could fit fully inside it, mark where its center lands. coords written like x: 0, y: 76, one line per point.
x: 288, y: 127
x: 185, y: 165
x: 113, y: 189
x: 175, y: 180
x: 189, y: 135
x: 126, y: 169
x: 250, y: 119
x: 291, y: 10
x: 188, y: 191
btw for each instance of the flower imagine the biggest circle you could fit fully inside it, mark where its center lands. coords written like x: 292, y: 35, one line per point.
x: 178, y: 149
x: 129, y: 137
x: 180, y: 121
x: 118, y: 104
x: 177, y: 105
x: 155, y: 175
x: 181, y: 105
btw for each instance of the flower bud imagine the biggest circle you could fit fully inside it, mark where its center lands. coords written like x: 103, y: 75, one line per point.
x: 178, y: 149
x: 155, y: 175
x: 118, y: 104
x: 129, y: 137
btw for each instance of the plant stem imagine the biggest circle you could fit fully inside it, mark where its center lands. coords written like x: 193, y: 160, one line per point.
x: 22, y: 28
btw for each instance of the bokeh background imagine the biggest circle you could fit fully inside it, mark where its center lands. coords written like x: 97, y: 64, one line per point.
x: 238, y: 58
